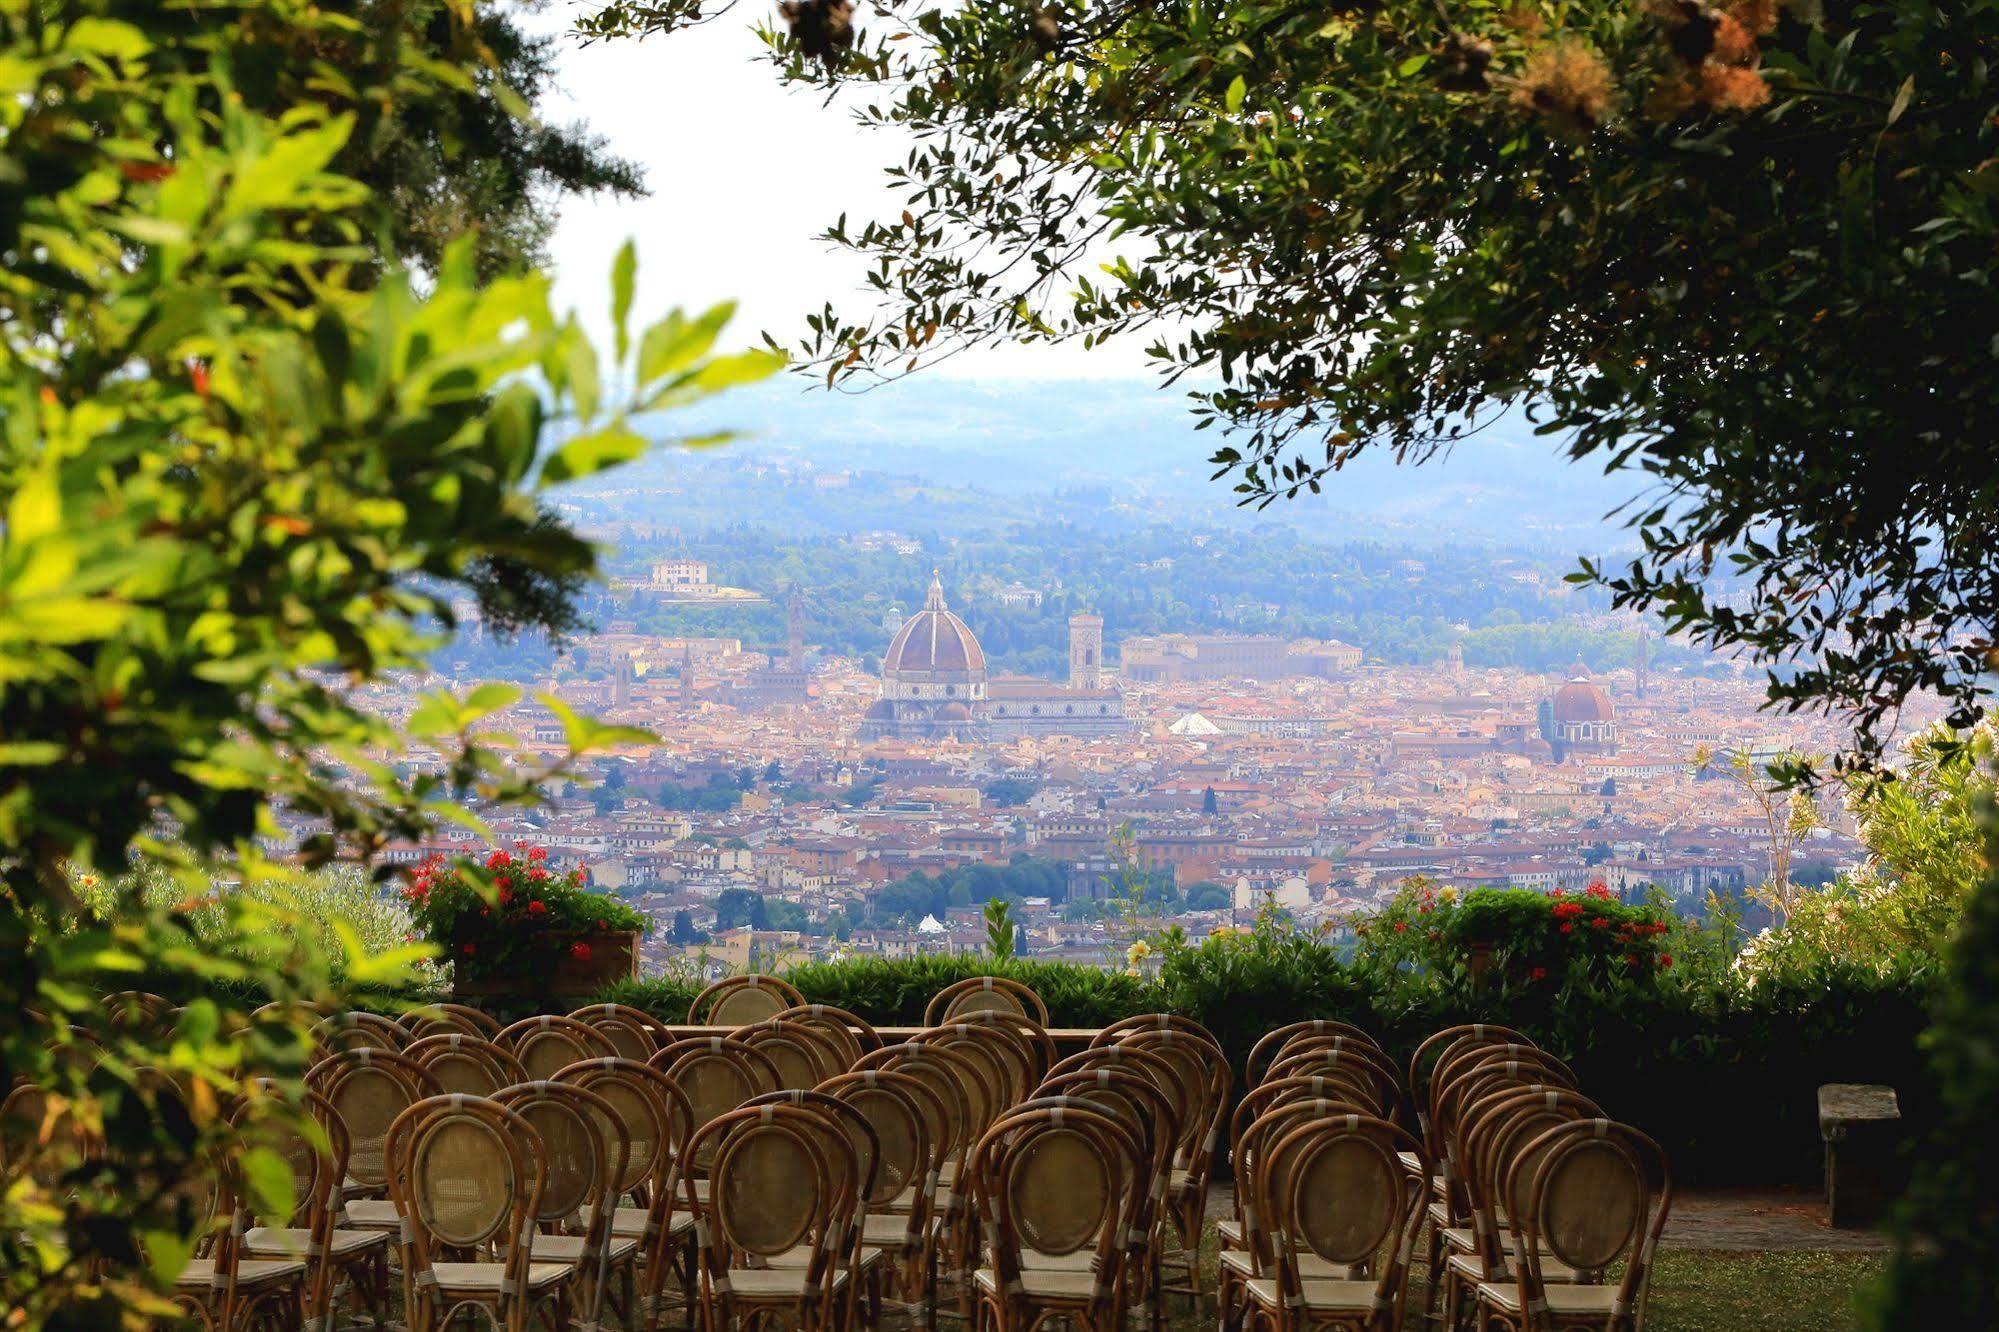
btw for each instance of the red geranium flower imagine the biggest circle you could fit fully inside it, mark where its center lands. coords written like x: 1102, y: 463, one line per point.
x: 1665, y: 959
x: 537, y: 908
x: 498, y: 860
x: 1568, y: 927
x: 468, y: 950
x: 580, y: 951
x: 1538, y: 974
x: 537, y: 853
x: 1402, y: 927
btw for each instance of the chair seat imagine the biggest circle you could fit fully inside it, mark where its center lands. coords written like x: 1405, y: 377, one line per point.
x: 774, y: 1283
x: 1310, y: 1266
x: 631, y: 1222
x: 800, y: 1256
x: 456, y: 1279
x: 293, y: 1241
x: 905, y: 1202
x: 371, y: 1214
x: 1320, y: 1296
x: 1571, y: 1300
x: 1045, y: 1283
x: 885, y: 1230
x: 1465, y: 1240
x: 1231, y: 1232
x: 1470, y: 1271
x: 199, y: 1274
x: 569, y: 1248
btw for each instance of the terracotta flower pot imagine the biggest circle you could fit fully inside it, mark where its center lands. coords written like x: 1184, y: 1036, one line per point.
x: 583, y: 964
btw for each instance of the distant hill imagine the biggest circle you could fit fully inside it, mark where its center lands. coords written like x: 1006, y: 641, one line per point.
x: 1136, y: 442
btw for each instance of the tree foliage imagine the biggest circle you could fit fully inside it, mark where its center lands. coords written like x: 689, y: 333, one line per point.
x: 1686, y: 236
x: 243, y: 468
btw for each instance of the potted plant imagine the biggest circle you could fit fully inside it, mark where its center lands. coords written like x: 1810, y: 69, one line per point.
x: 515, y: 926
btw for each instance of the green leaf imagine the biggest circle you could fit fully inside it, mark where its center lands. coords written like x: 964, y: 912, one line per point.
x: 1902, y: 98
x: 267, y: 1181
x: 586, y: 455
x: 675, y: 343
x: 1238, y: 90
x: 624, y: 275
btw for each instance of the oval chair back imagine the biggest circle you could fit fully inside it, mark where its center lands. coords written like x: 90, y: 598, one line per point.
x: 741, y: 1000
x: 977, y: 994
x: 547, y: 1044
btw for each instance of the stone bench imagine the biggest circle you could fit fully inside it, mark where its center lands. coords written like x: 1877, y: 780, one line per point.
x: 1861, y: 1124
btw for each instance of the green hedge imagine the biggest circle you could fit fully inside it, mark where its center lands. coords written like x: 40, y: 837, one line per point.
x: 1725, y: 1077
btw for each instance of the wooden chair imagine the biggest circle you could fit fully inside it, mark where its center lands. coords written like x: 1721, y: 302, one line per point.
x: 223, y: 1287
x: 336, y: 1257
x: 1335, y: 1190
x: 1126, y: 1104
x: 1346, y: 1094
x: 801, y: 1054
x: 136, y: 1010
x: 1491, y: 1143
x: 964, y: 1097
x: 466, y: 1175
x: 852, y: 1032
x: 1271, y: 1044
x: 369, y: 1089
x: 1005, y: 1064
x: 1052, y: 1187
x: 360, y: 1031
x: 1117, y: 1031
x: 632, y: 1032
x: 436, y: 1019
x: 470, y: 1065
x: 547, y: 1044
x: 1011, y: 1041
x: 857, y: 1265
x: 1200, y: 1064
x: 588, y: 1153
x: 741, y: 1000
x: 1253, y: 1257
x: 1598, y: 1196
x: 658, y: 1120
x: 772, y: 1191
x: 984, y: 994
x: 900, y: 1108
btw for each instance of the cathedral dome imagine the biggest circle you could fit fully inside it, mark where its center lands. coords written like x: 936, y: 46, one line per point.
x: 1582, y: 700
x: 934, y: 643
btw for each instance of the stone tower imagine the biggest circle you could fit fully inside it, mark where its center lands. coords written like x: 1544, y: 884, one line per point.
x: 1086, y: 651
x: 794, y: 632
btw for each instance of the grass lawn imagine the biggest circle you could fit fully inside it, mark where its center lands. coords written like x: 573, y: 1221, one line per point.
x: 1698, y: 1290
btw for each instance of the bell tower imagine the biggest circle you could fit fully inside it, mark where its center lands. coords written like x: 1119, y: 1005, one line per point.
x: 1086, y: 651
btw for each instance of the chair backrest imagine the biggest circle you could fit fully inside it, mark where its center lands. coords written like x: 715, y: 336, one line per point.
x: 1202, y: 1065
x: 1056, y: 1181
x: 1324, y: 1088
x: 1335, y: 1188
x: 772, y: 1189
x: 1272, y: 1044
x: 436, y: 1019
x: 1342, y: 1067
x: 1128, y: 1087
x: 977, y: 994
x: 852, y: 1032
x: 133, y: 1010
x: 1423, y: 1062
x: 717, y: 1074
x: 466, y: 1174
x: 1494, y: 1137
x: 1252, y: 1157
x: 741, y: 1000
x: 798, y: 1052
x: 547, y: 1044
x: 358, y: 1031
x: 1123, y: 1027
x: 853, y: 1171
x: 1021, y: 1045
x: 470, y: 1065
x: 658, y: 1118
x: 587, y: 1148
x: 1004, y: 1064
x: 318, y: 1164
x: 894, y: 1105
x: 369, y: 1089
x: 632, y: 1032
x: 960, y: 1085
x: 1599, y: 1195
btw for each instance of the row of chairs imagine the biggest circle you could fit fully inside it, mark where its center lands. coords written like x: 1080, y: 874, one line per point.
x: 1542, y: 1212
x: 800, y: 1169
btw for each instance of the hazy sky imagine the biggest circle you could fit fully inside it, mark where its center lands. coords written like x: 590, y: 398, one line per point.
x: 744, y: 175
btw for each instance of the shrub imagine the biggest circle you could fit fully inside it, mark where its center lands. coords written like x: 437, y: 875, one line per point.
x: 510, y: 917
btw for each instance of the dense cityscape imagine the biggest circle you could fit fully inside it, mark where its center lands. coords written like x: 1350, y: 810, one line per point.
x: 804, y: 802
